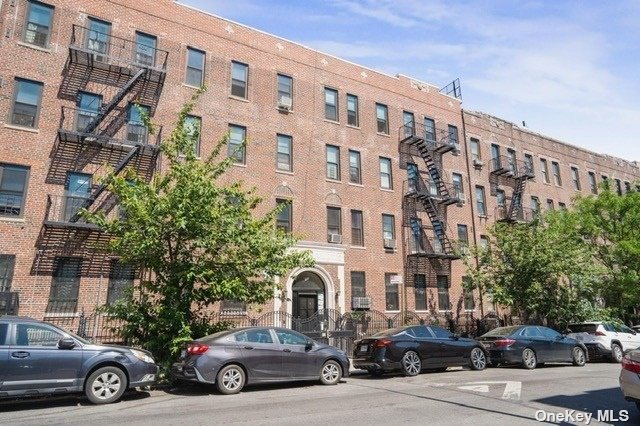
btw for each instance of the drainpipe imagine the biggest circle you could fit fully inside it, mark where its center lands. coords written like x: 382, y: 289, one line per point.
x: 471, y: 193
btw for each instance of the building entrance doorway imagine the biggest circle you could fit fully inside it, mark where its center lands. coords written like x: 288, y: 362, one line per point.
x: 308, y: 295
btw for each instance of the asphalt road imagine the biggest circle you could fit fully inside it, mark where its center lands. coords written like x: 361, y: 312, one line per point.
x: 505, y: 395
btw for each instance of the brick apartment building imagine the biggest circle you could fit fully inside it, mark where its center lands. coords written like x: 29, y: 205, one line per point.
x: 385, y: 175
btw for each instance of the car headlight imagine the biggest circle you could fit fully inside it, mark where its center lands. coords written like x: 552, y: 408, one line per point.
x: 142, y: 356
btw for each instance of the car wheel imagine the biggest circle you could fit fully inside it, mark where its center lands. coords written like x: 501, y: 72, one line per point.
x: 231, y: 379
x: 375, y: 373
x: 579, y: 358
x: 616, y: 353
x: 331, y: 373
x: 411, y: 364
x: 478, y: 359
x: 105, y: 385
x: 529, y: 359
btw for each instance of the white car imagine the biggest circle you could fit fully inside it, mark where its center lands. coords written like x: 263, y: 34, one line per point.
x: 605, y: 339
x: 630, y: 377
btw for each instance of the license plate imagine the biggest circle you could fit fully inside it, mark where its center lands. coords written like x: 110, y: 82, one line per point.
x: 364, y: 348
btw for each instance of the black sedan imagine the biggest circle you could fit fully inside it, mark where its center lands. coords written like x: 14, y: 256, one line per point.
x: 231, y: 359
x: 416, y: 348
x: 532, y: 345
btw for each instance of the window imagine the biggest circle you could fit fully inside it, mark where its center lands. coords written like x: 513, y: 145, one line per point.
x: 576, y: 178
x: 382, y: 118
x: 605, y: 181
x: 7, y: 263
x: 333, y: 162
x: 334, y: 221
x: 330, y: 104
x: 120, y: 280
x: 388, y: 227
x: 136, y: 129
x: 463, y: 237
x: 627, y: 187
x: 4, y: 332
x: 357, y: 228
x: 409, y: 123
x: 38, y: 27
x: 353, y: 116
x: 237, y: 137
x: 285, y: 91
x: 284, y: 153
x: 484, y: 242
x: 550, y: 205
x: 562, y: 206
x: 77, y: 191
x: 64, y: 287
x: 469, y: 301
x: 495, y: 152
x: 440, y: 333
x: 592, y: 183
x: 556, y: 173
x: 511, y: 159
x: 531, y: 332
x: 501, y: 198
x: 457, y: 184
x: 99, y: 37
x: 429, y: 131
x: 284, y: 218
x: 261, y: 335
x: 443, y: 292
x: 288, y: 337
x: 535, y: 205
x: 391, y: 293
x: 453, y: 136
x: 355, y: 172
x: 386, y: 179
x: 37, y: 335
x: 146, y: 49
x: 13, y: 189
x: 239, y: 79
x: 417, y: 243
x: 358, y: 288
x: 195, y: 67
x: 420, y: 284
x: 528, y: 163
x: 26, y: 103
x: 193, y: 128
x: 618, y: 187
x: 230, y: 306
x: 545, y: 170
x: 475, y: 149
x: 88, y: 106
x: 481, y: 203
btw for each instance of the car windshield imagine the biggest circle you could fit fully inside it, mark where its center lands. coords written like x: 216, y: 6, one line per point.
x: 215, y: 335
x: 583, y: 328
x: 502, y: 331
x: 390, y: 332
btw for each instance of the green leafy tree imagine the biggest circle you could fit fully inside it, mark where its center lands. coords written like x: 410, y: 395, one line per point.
x: 198, y: 240
x: 610, y: 223
x: 542, y: 270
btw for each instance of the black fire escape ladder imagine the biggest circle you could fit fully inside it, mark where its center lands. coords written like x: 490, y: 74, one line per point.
x: 100, y: 189
x: 516, y: 200
x: 432, y: 167
x: 438, y: 224
x: 107, y: 108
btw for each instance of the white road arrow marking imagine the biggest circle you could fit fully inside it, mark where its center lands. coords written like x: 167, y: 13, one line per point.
x: 512, y: 390
x: 475, y: 388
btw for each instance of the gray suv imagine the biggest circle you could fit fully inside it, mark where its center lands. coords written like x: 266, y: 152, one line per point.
x: 37, y: 358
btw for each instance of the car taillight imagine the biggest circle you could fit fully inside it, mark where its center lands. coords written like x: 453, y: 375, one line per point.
x: 197, y: 349
x: 599, y: 333
x: 503, y: 343
x: 382, y: 343
x: 631, y: 365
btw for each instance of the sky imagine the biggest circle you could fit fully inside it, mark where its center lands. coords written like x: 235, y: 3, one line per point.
x: 569, y: 69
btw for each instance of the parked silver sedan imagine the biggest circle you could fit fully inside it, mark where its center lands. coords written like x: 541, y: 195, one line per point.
x: 630, y: 377
x: 231, y: 359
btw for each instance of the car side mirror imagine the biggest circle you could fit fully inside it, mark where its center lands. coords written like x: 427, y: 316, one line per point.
x: 560, y: 337
x: 66, y: 343
x: 309, y: 345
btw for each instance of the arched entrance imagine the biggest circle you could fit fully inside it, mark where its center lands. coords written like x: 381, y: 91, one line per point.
x: 308, y: 295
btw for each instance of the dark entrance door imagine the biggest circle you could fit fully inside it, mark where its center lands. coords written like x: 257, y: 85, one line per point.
x: 307, y: 306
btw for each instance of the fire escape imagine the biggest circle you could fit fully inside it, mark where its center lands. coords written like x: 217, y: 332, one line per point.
x: 428, y: 248
x: 114, y: 82
x: 506, y: 170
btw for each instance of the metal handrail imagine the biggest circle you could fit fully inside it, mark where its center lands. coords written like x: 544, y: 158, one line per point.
x: 418, y: 185
x: 120, y: 50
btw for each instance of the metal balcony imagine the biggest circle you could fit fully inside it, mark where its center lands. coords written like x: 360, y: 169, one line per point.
x: 63, y: 211
x: 430, y: 247
x: 511, y: 168
x: 521, y: 215
x: 434, y: 139
x: 443, y: 193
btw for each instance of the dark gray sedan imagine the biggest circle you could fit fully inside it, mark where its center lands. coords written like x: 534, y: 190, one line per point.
x: 37, y: 358
x: 231, y: 359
